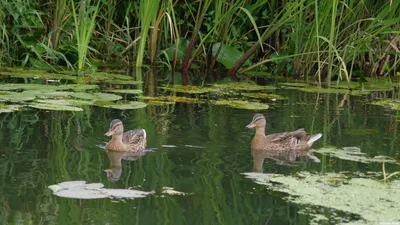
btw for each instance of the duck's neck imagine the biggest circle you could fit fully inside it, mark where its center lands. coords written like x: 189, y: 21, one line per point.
x: 117, y: 138
x: 260, y: 131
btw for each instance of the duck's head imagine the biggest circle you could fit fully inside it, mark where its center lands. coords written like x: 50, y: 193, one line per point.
x: 258, y: 121
x: 116, y: 128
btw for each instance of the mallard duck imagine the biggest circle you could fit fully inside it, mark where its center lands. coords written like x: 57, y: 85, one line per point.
x: 298, y: 140
x: 133, y: 140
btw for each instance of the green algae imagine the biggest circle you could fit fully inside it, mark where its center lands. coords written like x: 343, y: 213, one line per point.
x: 373, y: 201
x: 121, y: 106
x: 242, y: 104
x: 354, y: 154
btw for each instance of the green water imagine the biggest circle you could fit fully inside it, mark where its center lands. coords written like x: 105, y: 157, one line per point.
x: 197, y: 149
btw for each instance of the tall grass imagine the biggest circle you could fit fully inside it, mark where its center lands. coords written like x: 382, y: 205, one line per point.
x: 316, y: 40
x: 148, y: 10
x: 84, y: 23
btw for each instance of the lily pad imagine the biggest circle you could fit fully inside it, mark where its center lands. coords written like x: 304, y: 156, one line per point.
x: 9, y: 108
x: 17, y: 97
x: 82, y: 190
x: 126, y: 91
x: 388, y: 103
x: 315, y: 89
x: 122, y: 106
x: 349, y: 154
x: 38, y: 74
x: 242, y: 104
x: 57, y: 107
x: 173, y: 99
x: 96, y: 96
x: 242, y: 86
x: 189, y: 89
x: 264, y: 96
x: 373, y: 201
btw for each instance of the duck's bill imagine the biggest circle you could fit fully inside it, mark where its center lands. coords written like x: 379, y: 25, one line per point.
x: 251, y: 125
x: 108, y: 134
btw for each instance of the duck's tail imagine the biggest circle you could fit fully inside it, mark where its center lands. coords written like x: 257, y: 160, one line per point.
x: 314, y: 138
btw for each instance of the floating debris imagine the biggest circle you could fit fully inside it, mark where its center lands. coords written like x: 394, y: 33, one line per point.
x: 82, y: 190
x: 171, y: 191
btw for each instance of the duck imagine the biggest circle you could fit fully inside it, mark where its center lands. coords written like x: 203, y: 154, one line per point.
x: 133, y: 140
x: 280, y: 143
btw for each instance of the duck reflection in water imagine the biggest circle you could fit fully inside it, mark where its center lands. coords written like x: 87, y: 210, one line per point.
x: 285, y: 146
x: 115, y: 170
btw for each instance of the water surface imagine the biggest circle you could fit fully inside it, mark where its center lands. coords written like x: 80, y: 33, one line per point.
x: 199, y: 149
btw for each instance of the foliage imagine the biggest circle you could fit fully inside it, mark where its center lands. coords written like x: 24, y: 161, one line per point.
x: 318, y: 40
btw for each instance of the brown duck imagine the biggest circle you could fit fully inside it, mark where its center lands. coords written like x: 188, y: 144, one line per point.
x: 279, y: 143
x: 133, y: 140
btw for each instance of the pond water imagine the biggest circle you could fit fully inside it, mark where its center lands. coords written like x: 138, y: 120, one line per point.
x: 199, y: 149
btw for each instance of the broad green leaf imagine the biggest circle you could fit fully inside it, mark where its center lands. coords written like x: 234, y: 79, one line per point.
x: 228, y: 55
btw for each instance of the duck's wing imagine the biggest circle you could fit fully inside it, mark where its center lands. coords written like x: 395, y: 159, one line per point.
x: 134, y: 136
x: 288, y: 138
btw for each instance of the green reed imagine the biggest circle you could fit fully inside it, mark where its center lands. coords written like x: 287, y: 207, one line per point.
x: 84, y: 23
x: 147, y: 13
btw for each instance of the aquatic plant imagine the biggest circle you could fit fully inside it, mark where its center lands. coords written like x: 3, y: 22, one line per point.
x: 84, y: 22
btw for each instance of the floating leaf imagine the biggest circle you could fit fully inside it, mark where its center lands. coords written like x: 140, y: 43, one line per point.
x: 227, y: 55
x: 57, y: 107
x: 352, y: 155
x: 189, y: 89
x: 242, y: 86
x: 17, y: 97
x: 9, y: 108
x: 96, y: 96
x: 360, y: 196
x: 126, y: 91
x: 77, y: 87
x: 388, y: 103
x: 264, y: 96
x: 242, y: 104
x: 122, y: 106
x: 173, y: 99
x: 38, y: 74
x: 82, y: 190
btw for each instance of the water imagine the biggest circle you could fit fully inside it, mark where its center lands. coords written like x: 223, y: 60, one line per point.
x: 201, y: 150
